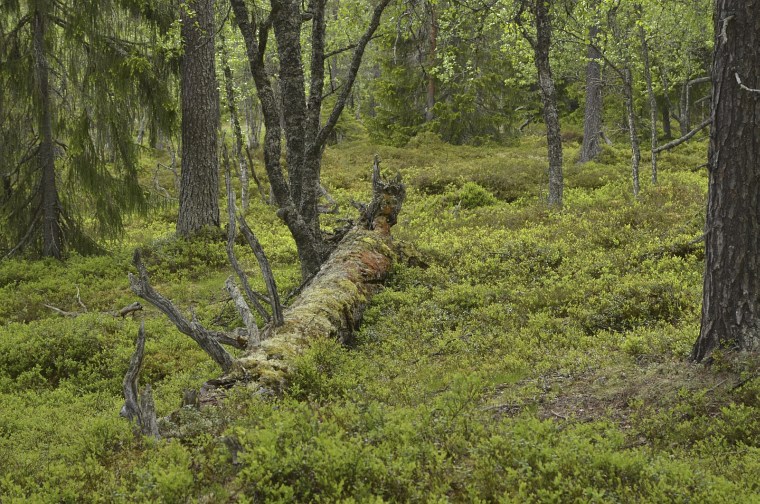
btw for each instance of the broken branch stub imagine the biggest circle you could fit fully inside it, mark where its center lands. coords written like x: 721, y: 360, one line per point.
x: 139, y: 407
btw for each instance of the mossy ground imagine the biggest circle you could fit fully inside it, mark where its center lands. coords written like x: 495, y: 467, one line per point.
x: 525, y: 355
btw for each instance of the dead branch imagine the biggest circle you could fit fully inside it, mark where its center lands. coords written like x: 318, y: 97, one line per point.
x: 687, y: 136
x: 139, y: 407
x: 62, y: 313
x: 132, y: 308
x: 254, y: 297
x: 140, y: 285
x: 333, y: 208
x: 244, y: 311
x: 266, y: 270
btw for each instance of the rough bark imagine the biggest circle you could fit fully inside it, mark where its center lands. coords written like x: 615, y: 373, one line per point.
x: 199, y: 186
x: 549, y: 100
x: 731, y: 296
x: 52, y: 234
x: 296, y: 114
x: 592, y: 119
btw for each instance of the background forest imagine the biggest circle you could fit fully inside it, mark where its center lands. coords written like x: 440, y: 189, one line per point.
x: 532, y: 342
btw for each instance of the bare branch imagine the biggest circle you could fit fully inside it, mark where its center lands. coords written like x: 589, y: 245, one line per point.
x: 140, y: 285
x: 266, y: 271
x: 687, y: 136
x: 254, y: 297
x: 741, y: 85
x: 62, y: 313
x: 244, y: 310
x: 139, y: 407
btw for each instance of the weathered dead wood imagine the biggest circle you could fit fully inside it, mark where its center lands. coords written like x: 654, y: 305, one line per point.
x: 684, y: 138
x: 330, y: 304
x: 139, y: 407
x: 206, y: 339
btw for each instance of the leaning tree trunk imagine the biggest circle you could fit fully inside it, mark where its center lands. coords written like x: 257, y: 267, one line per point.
x: 549, y: 99
x: 731, y: 296
x: 52, y: 235
x: 592, y: 119
x: 199, y: 186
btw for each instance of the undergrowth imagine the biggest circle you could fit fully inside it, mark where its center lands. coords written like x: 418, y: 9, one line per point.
x: 526, y: 354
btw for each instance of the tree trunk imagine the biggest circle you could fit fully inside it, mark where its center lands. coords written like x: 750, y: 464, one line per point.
x: 305, y: 135
x: 330, y: 305
x: 632, y: 131
x: 199, y: 186
x: 432, y: 43
x: 549, y: 101
x: 52, y: 235
x: 592, y: 119
x: 235, y: 121
x: 652, y: 100
x: 731, y: 296
x: 666, y: 130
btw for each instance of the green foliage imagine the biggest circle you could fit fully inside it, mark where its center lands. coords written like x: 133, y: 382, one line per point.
x: 529, y: 355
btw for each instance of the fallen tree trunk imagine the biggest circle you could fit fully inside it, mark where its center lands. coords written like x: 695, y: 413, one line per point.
x: 330, y: 305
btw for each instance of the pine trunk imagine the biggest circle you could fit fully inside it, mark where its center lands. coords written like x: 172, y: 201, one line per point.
x: 731, y: 296
x: 199, y: 186
x: 52, y: 235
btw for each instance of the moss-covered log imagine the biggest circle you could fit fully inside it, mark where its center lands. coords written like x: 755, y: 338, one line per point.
x: 330, y: 305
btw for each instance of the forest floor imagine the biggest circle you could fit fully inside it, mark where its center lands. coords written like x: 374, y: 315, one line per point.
x: 517, y: 354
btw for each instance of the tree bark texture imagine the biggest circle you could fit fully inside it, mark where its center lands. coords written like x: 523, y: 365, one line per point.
x: 199, y: 186
x: 592, y: 118
x: 549, y: 100
x: 731, y: 296
x: 296, y: 113
x: 52, y: 234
